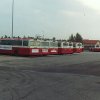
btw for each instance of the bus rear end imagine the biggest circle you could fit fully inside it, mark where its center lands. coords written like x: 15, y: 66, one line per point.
x: 96, y: 48
x: 78, y: 47
x: 65, y: 47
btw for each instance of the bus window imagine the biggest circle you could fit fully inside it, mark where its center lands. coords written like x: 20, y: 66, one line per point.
x: 13, y: 42
x: 53, y: 44
x: 34, y: 43
x: 25, y: 42
x: 6, y: 42
x: 65, y: 44
x: 31, y: 43
x: 44, y: 44
x: 16, y: 42
x: 79, y: 44
x: 70, y: 44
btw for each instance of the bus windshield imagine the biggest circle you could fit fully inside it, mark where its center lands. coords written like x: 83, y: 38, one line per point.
x: 79, y: 44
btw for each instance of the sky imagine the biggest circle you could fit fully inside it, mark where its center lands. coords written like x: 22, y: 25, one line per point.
x: 51, y: 18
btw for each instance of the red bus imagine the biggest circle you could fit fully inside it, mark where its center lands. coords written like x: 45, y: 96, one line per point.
x: 53, y: 48
x: 22, y: 47
x: 96, y: 48
x: 78, y: 47
x: 65, y: 48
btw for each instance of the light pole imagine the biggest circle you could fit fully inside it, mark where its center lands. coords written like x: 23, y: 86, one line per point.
x: 12, y: 18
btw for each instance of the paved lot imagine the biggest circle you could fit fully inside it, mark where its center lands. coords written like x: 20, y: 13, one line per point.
x: 65, y: 77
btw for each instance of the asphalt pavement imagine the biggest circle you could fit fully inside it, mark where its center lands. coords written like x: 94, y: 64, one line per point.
x: 54, y: 77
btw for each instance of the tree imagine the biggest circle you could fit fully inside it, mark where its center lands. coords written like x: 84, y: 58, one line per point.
x: 71, y: 38
x: 78, y: 38
x: 5, y: 36
x: 18, y: 37
x: 24, y: 36
x: 54, y: 39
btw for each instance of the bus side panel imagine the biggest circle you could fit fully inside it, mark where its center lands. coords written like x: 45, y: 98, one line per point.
x: 39, y: 51
x: 21, y: 51
x: 8, y: 52
x: 65, y: 50
x: 53, y: 51
x: 69, y: 50
x: 77, y: 50
x: 44, y: 51
x: 96, y: 49
x: 35, y: 51
x: 60, y: 51
x: 27, y: 51
x: 6, y: 49
x: 24, y: 51
x: 30, y: 51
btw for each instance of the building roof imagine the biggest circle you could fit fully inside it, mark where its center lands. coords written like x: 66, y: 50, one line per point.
x: 90, y: 41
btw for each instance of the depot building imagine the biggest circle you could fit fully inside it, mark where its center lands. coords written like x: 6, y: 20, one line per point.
x: 90, y: 43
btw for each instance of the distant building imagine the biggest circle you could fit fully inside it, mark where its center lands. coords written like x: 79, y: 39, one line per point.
x: 89, y: 43
x: 97, y: 44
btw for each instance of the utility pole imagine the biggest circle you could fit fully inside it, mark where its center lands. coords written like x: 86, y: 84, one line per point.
x: 12, y: 18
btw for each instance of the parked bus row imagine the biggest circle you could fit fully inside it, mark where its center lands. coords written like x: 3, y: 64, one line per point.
x: 31, y: 47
